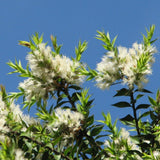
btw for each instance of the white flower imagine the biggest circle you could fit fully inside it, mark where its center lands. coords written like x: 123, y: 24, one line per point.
x: 3, y: 114
x: 47, y: 69
x: 19, y: 155
x: 108, y: 72
x: 125, y: 135
x: 134, y: 68
x: 34, y: 88
x: 121, y: 145
x: 66, y: 122
x: 156, y: 154
x: 17, y: 114
x: 123, y: 52
x: 66, y: 69
x: 68, y: 118
x: 130, y: 65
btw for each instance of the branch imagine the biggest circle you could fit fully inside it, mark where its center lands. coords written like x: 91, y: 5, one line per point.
x: 41, y: 144
x: 135, y: 117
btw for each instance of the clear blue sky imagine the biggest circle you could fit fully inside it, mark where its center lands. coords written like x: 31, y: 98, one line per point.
x: 72, y: 21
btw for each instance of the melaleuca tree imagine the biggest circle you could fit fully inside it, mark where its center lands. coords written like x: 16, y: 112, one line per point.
x: 63, y: 128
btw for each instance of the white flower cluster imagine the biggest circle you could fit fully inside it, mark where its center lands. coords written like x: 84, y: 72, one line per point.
x: 67, y: 122
x: 121, y: 145
x: 46, y: 69
x: 17, y: 117
x: 156, y: 154
x: 131, y: 65
x: 3, y: 115
x: 19, y: 155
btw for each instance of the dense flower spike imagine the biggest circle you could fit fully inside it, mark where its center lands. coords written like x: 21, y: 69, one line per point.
x: 19, y: 155
x: 48, y: 70
x: 121, y: 145
x: 129, y: 65
x: 3, y: 115
x: 69, y: 118
x: 17, y: 116
x: 67, y: 122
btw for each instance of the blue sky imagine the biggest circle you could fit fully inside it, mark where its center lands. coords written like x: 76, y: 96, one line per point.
x: 72, y: 21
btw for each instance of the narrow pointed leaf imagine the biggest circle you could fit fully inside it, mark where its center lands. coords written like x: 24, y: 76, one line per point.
x: 153, y: 116
x: 122, y: 104
x: 75, y: 87
x: 142, y: 106
x: 144, y: 115
x: 122, y: 92
x: 128, y: 118
x: 139, y: 96
x: 152, y: 101
x: 95, y: 131
x: 143, y: 90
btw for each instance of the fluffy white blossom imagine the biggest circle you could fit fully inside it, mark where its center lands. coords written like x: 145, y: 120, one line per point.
x: 19, y: 155
x: 17, y: 117
x: 46, y: 69
x: 108, y: 72
x: 70, y: 119
x: 125, y: 135
x: 34, y: 88
x: 66, y: 122
x: 130, y: 65
x: 121, y: 145
x: 156, y: 154
x: 3, y: 114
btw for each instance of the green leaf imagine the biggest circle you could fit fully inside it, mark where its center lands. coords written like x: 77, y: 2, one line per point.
x: 81, y: 48
x: 143, y: 90
x: 26, y: 134
x: 68, y: 150
x: 15, y: 95
x: 24, y: 43
x: 55, y: 45
x: 49, y: 145
x: 57, y: 140
x: 60, y: 104
x: 114, y: 40
x: 152, y: 101
x: 108, y: 120
x: 128, y: 118
x: 36, y: 39
x: 147, y: 39
x: 142, y: 106
x: 139, y: 96
x: 89, y: 120
x: 95, y: 131
x: 75, y: 87
x: 122, y: 104
x: 144, y: 115
x: 74, y: 96
x: 122, y: 92
x: 153, y: 116
x: 105, y: 38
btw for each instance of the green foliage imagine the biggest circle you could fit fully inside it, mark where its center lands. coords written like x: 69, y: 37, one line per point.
x: 121, y: 104
x: 105, y: 38
x: 147, y: 39
x: 81, y: 48
x: 19, y: 69
x: 55, y: 45
x: 123, y: 92
x: 52, y: 135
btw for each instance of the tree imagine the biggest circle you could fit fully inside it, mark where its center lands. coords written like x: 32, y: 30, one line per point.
x: 64, y: 127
